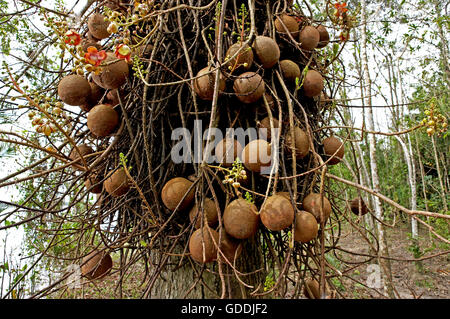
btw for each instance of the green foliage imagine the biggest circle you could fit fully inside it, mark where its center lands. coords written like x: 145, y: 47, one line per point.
x: 337, y: 283
x: 424, y: 283
x: 249, y: 198
x: 269, y: 282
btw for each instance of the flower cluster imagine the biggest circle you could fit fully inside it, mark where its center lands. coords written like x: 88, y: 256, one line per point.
x: 71, y: 42
x: 435, y: 121
x: 142, y: 8
x: 342, y: 18
x: 42, y: 123
x: 123, y: 51
x: 120, y: 24
x: 72, y: 38
x: 94, y: 57
x: 236, y: 174
x: 341, y: 10
x: 344, y: 36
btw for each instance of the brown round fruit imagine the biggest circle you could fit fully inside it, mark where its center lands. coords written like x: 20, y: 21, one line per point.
x: 94, y: 98
x: 96, y: 265
x: 277, y: 213
x: 257, y: 155
x: 267, y: 51
x: 173, y: 192
x: 290, y: 70
x: 249, y: 87
x: 313, y: 83
x: 306, y: 227
x: 102, y: 120
x: 204, y: 84
x: 230, y: 247
x: 86, y: 43
x: 202, y: 238
x: 74, y: 90
x: 84, y: 150
x: 116, y: 5
x: 114, y: 74
x: 324, y: 37
x: 332, y: 145
x: 113, y: 97
x: 240, y: 219
x: 90, y: 37
x: 312, y: 204
x: 312, y: 289
x: 227, y: 150
x: 290, y: 23
x: 245, y: 56
x: 265, y: 128
x: 95, y: 182
x: 209, y: 212
x: 301, y: 142
x: 358, y: 204
x: 86, y: 108
x: 309, y: 38
x: 96, y: 93
x: 97, y: 26
x: 285, y: 195
x: 117, y: 184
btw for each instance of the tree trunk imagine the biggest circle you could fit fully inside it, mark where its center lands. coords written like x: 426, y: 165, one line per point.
x: 383, y: 248
x: 407, y: 152
x: 438, y: 168
x: 182, y: 282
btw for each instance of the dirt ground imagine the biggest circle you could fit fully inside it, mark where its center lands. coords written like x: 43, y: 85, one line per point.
x: 430, y: 282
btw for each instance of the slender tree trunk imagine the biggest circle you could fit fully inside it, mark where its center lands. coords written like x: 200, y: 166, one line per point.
x: 422, y: 175
x: 383, y: 251
x: 369, y: 220
x: 407, y: 152
x: 438, y: 168
x: 414, y: 226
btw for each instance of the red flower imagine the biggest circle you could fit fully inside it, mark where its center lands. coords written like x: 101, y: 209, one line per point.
x: 123, y: 51
x: 95, y: 57
x: 344, y: 36
x: 72, y: 38
x: 341, y: 8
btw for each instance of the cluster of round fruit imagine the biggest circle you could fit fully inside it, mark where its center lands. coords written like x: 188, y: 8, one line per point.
x: 116, y: 183
x: 42, y: 121
x: 249, y: 86
x: 309, y: 37
x: 241, y: 218
x: 257, y: 154
x: 98, y: 97
x: 434, y: 121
